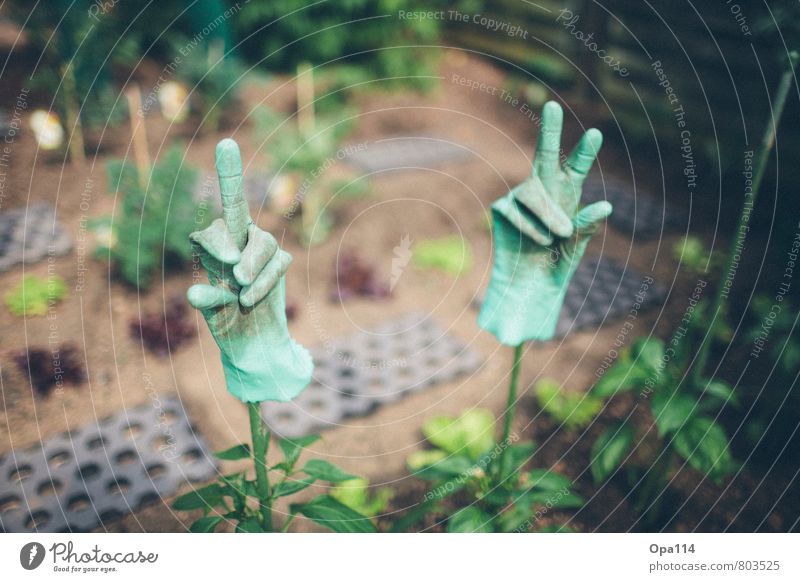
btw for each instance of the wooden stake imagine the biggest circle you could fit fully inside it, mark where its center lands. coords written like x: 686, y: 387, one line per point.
x: 138, y: 134
x: 305, y: 99
x: 77, y: 153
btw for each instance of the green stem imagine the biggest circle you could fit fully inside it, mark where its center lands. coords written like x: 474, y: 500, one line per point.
x: 511, y: 405
x: 260, y: 436
x: 654, y: 483
x: 767, y: 142
x: 288, y: 522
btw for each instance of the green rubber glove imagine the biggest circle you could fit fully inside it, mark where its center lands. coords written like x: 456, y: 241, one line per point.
x: 245, y: 304
x: 540, y: 237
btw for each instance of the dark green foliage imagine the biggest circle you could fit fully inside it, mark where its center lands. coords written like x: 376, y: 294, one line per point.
x: 75, y: 33
x: 286, y: 32
x: 212, y: 79
x: 235, y: 498
x: 152, y: 224
x: 684, y: 414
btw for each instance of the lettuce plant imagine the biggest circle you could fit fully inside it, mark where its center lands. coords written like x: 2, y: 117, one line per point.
x: 469, y: 488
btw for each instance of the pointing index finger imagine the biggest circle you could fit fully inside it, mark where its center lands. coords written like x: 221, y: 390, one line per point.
x: 234, y: 205
x: 548, y: 145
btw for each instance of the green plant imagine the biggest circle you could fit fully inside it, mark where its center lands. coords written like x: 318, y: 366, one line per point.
x: 35, y: 295
x: 694, y: 255
x: 479, y: 484
x: 356, y: 494
x: 213, y: 80
x: 248, y: 503
x: 284, y: 34
x: 311, y: 155
x: 156, y: 215
x: 451, y: 254
x: 684, y: 417
x: 77, y: 49
x: 772, y: 334
x: 244, y: 306
x: 573, y: 410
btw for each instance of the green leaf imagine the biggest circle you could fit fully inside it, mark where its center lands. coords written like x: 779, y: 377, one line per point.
x: 648, y: 352
x: 547, y: 480
x: 325, y: 471
x: 469, y: 520
x: 671, y: 412
x: 420, y: 459
x: 205, y: 524
x: 610, y: 449
x: 704, y: 445
x: 293, y: 447
x: 471, y: 434
x: 452, y: 465
x: 291, y: 486
x: 249, y: 525
x: 203, y: 498
x: 356, y: 494
x: 572, y: 409
x: 622, y: 376
x: 241, y: 451
x: 520, y: 453
x: 722, y: 391
x: 336, y: 516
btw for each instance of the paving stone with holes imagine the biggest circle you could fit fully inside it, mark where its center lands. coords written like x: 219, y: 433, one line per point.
x: 638, y: 212
x: 30, y: 234
x: 603, y: 290
x: 90, y: 477
x: 410, y: 152
x: 355, y: 374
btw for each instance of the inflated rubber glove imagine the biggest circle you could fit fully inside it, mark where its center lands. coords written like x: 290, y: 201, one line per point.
x: 245, y: 304
x: 540, y: 237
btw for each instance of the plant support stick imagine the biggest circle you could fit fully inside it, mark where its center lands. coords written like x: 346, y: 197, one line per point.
x: 767, y: 143
x: 511, y: 405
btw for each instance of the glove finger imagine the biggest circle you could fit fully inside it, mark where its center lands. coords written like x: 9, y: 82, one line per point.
x: 588, y: 220
x: 266, y: 279
x: 261, y: 247
x: 204, y: 297
x: 580, y: 160
x: 534, y: 197
x: 548, y: 145
x: 217, y: 241
x: 522, y: 219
